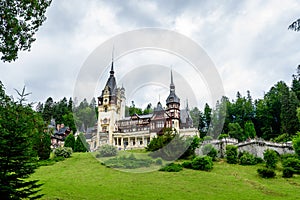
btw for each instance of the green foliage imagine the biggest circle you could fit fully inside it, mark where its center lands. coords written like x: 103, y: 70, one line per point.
x: 130, y: 162
x: 236, y: 131
x: 282, y: 138
x: 65, y: 152
x: 296, y: 144
x: 266, y: 172
x: 221, y: 136
x: 288, y: 172
x: 43, y: 145
x: 292, y: 162
x: 247, y: 159
x: 70, y: 141
x: 209, y: 150
x: 206, y: 138
x: 107, y: 150
x: 169, y: 146
x: 231, y: 154
x: 171, y: 168
x: 187, y: 164
x: 80, y: 144
x: 249, y: 130
x: 20, y: 20
x: 271, y: 158
x: 202, y: 163
x: 19, y: 128
x: 192, y: 143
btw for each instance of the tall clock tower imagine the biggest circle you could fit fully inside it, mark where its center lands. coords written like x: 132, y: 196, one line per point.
x: 173, y: 108
x: 111, y: 107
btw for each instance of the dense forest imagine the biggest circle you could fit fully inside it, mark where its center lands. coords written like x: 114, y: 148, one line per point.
x: 274, y: 117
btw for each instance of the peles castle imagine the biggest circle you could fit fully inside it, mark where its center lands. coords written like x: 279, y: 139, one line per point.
x: 136, y: 131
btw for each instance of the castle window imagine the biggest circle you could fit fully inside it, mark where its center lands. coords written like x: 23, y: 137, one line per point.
x: 105, y: 109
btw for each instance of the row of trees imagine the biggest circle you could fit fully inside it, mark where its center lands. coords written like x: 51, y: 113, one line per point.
x: 272, y: 117
x: 69, y: 113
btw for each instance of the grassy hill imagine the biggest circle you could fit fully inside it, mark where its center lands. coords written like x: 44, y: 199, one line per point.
x: 83, y: 177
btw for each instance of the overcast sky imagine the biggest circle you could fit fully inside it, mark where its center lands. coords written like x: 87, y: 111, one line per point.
x: 248, y: 41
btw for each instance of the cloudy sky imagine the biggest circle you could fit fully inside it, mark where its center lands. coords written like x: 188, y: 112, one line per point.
x: 248, y: 42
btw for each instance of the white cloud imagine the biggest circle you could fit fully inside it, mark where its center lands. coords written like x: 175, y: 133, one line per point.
x: 248, y: 41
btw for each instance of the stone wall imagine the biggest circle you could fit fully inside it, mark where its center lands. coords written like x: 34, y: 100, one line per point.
x: 255, y: 147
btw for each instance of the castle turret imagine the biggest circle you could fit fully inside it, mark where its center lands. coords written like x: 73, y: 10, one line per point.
x: 173, y: 107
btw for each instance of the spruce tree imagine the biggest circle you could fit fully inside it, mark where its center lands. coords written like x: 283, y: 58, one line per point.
x: 70, y: 141
x: 80, y: 144
x: 17, y: 158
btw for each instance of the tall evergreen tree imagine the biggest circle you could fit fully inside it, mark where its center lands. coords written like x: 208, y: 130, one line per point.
x: 17, y: 158
x: 70, y: 141
x: 80, y: 144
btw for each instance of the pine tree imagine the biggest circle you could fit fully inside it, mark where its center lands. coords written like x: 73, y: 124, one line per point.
x: 70, y: 141
x: 17, y: 158
x: 81, y: 144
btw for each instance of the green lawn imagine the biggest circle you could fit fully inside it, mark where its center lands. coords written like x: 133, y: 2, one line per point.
x: 83, y: 177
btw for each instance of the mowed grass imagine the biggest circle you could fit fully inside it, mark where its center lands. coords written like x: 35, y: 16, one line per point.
x: 83, y: 177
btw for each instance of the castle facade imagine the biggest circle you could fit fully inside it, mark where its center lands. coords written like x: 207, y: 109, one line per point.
x: 136, y: 131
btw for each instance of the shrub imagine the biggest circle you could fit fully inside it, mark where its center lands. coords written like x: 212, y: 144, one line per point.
x: 259, y: 160
x: 247, y: 159
x: 80, y: 144
x: 266, y: 172
x: 206, y: 138
x: 202, y: 163
x: 288, y: 155
x: 231, y: 154
x: 107, y: 151
x: 70, y: 141
x: 288, y: 172
x: 271, y: 158
x: 209, y: 150
x: 171, y: 168
x: 65, y: 152
x: 296, y: 144
x: 187, y: 164
x: 158, y: 161
x: 130, y: 162
x: 292, y: 162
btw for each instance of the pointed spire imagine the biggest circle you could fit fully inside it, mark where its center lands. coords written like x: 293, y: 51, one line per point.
x: 112, y: 61
x: 172, y: 86
x: 187, y: 104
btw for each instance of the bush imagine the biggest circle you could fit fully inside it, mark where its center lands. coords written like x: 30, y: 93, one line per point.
x: 129, y: 162
x: 209, y: 150
x: 296, y: 144
x: 231, y: 154
x: 80, y: 144
x: 247, y: 159
x: 158, y: 161
x: 202, y: 163
x: 70, y: 141
x: 292, y: 162
x: 206, y: 138
x: 171, y: 168
x: 187, y: 164
x: 266, y: 172
x: 65, y: 152
x: 288, y: 172
x: 259, y: 160
x: 271, y: 158
x: 107, y: 151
